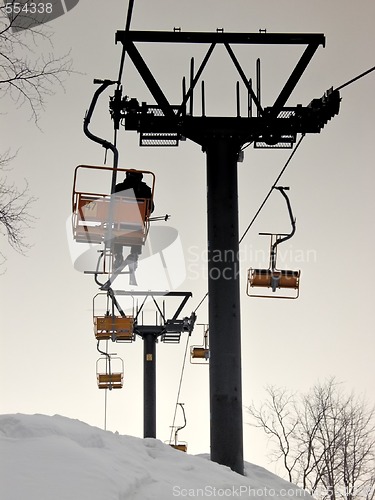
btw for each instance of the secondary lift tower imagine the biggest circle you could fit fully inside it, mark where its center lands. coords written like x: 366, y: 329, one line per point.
x: 222, y: 138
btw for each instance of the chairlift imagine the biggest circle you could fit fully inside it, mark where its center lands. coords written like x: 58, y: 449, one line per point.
x: 273, y: 278
x: 103, y: 217
x: 180, y: 445
x: 117, y: 328
x: 114, y: 324
x: 110, y: 372
x: 200, y: 354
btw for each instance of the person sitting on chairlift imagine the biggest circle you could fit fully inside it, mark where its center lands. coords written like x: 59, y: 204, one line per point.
x: 133, y: 180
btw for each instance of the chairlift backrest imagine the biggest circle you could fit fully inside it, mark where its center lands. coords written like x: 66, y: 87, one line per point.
x: 110, y: 372
x: 274, y: 280
x: 97, y: 216
x: 118, y: 327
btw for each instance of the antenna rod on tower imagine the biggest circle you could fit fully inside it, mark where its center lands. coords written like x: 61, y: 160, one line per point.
x: 258, y: 83
x: 238, y: 99
x: 191, y: 86
x: 184, y: 95
x: 203, y: 100
x: 249, y: 100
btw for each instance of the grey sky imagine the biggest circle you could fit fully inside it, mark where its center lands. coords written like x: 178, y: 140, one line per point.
x: 47, y: 343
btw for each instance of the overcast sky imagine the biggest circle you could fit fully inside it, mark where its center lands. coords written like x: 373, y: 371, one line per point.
x: 47, y: 342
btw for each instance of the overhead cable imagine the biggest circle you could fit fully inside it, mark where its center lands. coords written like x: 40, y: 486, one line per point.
x: 262, y: 205
x: 179, y: 388
x: 127, y: 28
x: 273, y: 186
x: 356, y: 78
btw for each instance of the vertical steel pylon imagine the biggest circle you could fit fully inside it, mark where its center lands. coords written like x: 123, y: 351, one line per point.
x: 224, y: 304
x: 222, y: 139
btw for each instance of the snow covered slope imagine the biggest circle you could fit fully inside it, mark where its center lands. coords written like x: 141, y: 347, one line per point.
x: 57, y: 458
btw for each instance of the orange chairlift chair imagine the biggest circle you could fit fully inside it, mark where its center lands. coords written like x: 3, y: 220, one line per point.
x: 180, y: 445
x: 110, y: 372
x: 273, y: 278
x: 200, y: 354
x: 105, y: 217
x: 111, y: 326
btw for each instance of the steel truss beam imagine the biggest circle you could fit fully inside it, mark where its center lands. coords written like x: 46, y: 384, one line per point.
x: 172, y: 119
x: 220, y: 37
x: 150, y: 335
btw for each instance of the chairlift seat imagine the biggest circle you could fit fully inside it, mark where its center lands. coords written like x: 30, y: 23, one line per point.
x: 89, y: 211
x: 129, y: 219
x: 92, y: 212
x: 110, y: 380
x: 200, y: 353
x: 275, y: 280
x: 269, y: 278
x: 121, y: 328
x: 180, y: 447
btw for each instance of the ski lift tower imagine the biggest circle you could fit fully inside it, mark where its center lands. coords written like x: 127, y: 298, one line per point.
x: 221, y: 138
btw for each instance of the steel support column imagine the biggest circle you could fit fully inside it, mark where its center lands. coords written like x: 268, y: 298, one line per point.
x: 224, y: 304
x: 149, y: 385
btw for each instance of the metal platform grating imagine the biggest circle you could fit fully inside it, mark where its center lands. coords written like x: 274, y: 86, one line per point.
x: 157, y: 111
x: 126, y: 341
x: 159, y: 139
x: 286, y: 113
x: 171, y: 337
x: 279, y: 145
x: 286, y: 142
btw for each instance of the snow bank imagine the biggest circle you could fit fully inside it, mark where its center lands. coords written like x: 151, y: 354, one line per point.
x: 57, y: 458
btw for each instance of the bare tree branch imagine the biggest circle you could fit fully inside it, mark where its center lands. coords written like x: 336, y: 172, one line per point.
x: 325, y: 440
x: 29, y: 71
x: 29, y: 74
x: 14, y: 209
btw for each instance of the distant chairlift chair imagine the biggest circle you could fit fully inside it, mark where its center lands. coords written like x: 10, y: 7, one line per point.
x: 116, y: 328
x: 109, y: 377
x: 111, y: 326
x: 273, y: 278
x: 180, y: 445
x: 200, y: 354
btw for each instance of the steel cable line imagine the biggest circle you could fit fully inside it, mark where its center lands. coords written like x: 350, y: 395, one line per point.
x: 349, y: 82
x: 104, y: 143
x: 122, y: 63
x: 286, y: 164
x: 114, y: 175
x: 201, y: 302
x: 272, y: 188
x: 179, y: 388
x: 263, y: 203
x: 295, y: 149
x: 249, y: 226
x: 355, y: 78
x: 123, y: 53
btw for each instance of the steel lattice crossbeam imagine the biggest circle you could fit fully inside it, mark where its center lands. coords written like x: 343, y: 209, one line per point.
x: 269, y: 127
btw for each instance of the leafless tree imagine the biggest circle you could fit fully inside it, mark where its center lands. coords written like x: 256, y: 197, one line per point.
x: 277, y: 417
x: 14, y: 208
x: 325, y: 440
x: 29, y: 74
x: 29, y: 71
